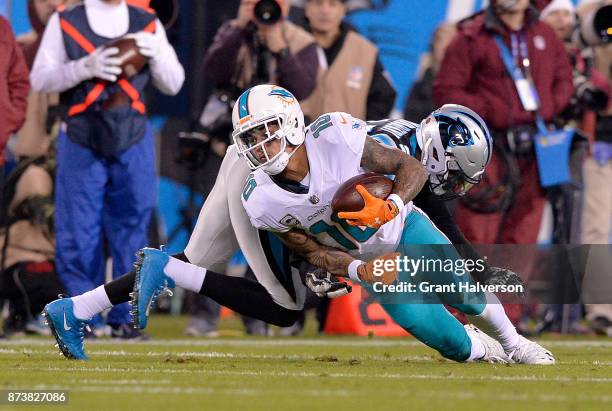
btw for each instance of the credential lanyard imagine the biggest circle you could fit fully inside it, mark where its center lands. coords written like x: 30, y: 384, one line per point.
x: 524, y: 83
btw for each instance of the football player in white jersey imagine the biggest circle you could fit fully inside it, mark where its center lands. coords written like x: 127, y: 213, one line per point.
x: 296, y: 172
x: 222, y: 226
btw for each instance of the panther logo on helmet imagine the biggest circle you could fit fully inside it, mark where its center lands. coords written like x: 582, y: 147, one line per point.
x: 459, y: 135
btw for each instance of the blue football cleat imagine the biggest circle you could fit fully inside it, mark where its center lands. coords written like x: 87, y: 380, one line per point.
x: 66, y: 328
x: 150, y: 282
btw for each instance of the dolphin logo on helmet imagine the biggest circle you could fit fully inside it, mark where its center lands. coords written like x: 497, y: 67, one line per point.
x: 262, y: 114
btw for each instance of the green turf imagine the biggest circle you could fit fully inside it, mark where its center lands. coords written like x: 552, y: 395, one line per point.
x: 172, y: 372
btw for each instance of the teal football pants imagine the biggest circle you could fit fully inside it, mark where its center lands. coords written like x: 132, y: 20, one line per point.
x: 431, y: 323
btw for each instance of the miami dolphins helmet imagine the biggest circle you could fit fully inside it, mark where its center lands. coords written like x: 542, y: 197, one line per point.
x: 262, y: 114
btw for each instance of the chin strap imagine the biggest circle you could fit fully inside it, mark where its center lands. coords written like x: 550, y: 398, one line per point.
x: 425, y: 152
x: 285, y: 157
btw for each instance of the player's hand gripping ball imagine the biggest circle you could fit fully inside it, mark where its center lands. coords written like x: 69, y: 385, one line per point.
x: 362, y: 201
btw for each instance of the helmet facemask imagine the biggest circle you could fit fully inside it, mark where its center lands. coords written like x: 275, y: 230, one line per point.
x: 453, y: 182
x: 262, y: 115
x: 252, y: 141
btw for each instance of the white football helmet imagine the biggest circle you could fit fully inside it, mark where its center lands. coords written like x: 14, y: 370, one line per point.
x: 261, y: 115
x: 456, y: 147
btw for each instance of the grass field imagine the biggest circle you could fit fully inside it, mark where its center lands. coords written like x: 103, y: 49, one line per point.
x: 237, y: 373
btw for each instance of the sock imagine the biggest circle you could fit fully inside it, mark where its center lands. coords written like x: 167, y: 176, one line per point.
x: 187, y: 276
x: 494, y: 321
x: 91, y: 303
x: 118, y: 290
x: 477, y: 350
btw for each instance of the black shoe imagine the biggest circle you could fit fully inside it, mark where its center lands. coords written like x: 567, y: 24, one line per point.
x: 14, y: 327
x: 89, y: 333
x: 127, y: 332
x: 602, y: 326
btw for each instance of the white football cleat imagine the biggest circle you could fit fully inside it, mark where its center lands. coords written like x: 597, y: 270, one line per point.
x: 529, y: 352
x: 494, y: 352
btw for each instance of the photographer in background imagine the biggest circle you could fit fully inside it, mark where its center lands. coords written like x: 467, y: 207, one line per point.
x: 261, y: 46
x: 595, y: 17
x: 591, y: 86
x: 507, y: 207
x: 473, y: 73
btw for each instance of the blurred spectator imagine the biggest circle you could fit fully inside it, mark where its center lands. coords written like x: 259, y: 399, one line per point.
x: 247, y: 51
x: 560, y: 15
x: 27, y: 276
x: 352, y: 78
x: 34, y: 138
x: 473, y: 74
x: 29, y: 280
x: 420, y: 101
x: 592, y: 87
x: 39, y: 12
x: 597, y: 210
x: 105, y: 182
x: 14, y: 87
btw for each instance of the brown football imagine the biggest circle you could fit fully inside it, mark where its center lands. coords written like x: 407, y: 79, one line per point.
x: 348, y: 199
x: 131, y: 59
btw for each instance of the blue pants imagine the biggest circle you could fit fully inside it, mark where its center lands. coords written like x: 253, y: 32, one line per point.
x: 99, y: 198
x: 431, y: 323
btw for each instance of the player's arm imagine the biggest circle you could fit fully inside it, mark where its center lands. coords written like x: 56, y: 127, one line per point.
x: 409, y: 180
x: 335, y: 261
x: 410, y: 177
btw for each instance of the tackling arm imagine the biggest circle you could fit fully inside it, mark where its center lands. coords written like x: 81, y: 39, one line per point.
x: 333, y: 260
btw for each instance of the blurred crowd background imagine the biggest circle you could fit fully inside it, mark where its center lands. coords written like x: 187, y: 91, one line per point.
x: 74, y: 210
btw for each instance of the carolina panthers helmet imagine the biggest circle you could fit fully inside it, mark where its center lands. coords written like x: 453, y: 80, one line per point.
x: 456, y: 147
x: 262, y: 114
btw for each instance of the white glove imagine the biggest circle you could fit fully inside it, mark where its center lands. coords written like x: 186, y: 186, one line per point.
x: 148, y: 44
x: 323, y: 284
x: 102, y: 65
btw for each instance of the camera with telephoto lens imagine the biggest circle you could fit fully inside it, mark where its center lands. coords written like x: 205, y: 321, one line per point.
x: 588, y: 95
x: 268, y: 12
x: 594, y: 28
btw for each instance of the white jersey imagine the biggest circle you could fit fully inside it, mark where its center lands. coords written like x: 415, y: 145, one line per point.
x: 334, y: 144
x: 223, y: 227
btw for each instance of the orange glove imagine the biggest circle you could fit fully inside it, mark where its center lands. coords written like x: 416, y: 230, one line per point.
x: 375, y: 213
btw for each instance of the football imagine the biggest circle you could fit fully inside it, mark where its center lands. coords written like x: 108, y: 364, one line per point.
x: 348, y: 199
x: 131, y: 59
